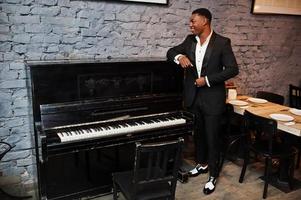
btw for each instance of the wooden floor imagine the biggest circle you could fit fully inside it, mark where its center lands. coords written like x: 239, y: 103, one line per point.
x: 228, y: 187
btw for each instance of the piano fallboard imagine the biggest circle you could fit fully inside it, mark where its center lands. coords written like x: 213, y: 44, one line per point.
x: 78, y: 112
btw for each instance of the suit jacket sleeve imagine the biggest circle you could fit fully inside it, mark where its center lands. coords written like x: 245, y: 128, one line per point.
x: 180, y: 49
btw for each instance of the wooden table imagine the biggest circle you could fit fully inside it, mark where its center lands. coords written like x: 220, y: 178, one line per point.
x: 265, y: 109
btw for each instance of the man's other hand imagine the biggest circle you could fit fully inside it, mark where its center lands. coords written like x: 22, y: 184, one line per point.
x: 200, y: 82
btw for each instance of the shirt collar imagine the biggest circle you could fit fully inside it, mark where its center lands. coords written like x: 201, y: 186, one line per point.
x: 207, y: 39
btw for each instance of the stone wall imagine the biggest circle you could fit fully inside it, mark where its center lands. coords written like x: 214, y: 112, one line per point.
x: 267, y: 48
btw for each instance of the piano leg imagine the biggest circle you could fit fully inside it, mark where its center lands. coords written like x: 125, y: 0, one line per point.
x: 188, y: 158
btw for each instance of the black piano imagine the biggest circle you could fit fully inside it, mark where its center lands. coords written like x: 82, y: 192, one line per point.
x: 87, y: 115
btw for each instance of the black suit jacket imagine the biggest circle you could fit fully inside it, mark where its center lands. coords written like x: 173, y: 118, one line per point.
x: 219, y: 65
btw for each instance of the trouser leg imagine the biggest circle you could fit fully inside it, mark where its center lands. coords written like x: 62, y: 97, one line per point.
x: 199, y: 136
x: 212, y: 128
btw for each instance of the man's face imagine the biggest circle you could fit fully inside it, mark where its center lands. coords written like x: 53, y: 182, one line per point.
x: 197, y: 24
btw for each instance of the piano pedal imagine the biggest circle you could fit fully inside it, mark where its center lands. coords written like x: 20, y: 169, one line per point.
x: 182, y: 176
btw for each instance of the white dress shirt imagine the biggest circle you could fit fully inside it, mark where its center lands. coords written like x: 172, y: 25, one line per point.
x: 199, y: 55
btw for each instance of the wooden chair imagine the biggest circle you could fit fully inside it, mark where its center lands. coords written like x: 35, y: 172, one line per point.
x: 155, y: 172
x: 272, y: 97
x: 295, y: 96
x: 295, y: 102
x: 268, y: 146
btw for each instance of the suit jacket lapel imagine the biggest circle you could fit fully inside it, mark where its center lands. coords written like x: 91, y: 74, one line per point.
x: 208, y: 51
x: 193, y: 47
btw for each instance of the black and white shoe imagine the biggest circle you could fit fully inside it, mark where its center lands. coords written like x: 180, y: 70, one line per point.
x: 199, y: 169
x: 210, y: 185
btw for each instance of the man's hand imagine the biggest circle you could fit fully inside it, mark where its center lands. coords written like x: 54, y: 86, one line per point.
x: 200, y: 82
x: 184, y: 62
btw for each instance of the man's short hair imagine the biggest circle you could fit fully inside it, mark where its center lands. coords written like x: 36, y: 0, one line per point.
x: 203, y: 12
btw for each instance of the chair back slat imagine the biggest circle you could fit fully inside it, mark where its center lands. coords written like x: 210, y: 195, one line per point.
x: 165, y: 160
x: 295, y: 96
x: 149, y: 165
x: 136, y: 162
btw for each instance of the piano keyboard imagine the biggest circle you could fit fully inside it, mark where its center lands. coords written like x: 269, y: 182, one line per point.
x: 119, y: 128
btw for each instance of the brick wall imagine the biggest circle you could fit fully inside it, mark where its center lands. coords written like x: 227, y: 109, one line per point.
x: 267, y: 48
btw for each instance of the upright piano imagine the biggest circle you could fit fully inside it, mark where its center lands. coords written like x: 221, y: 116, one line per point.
x: 87, y: 115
